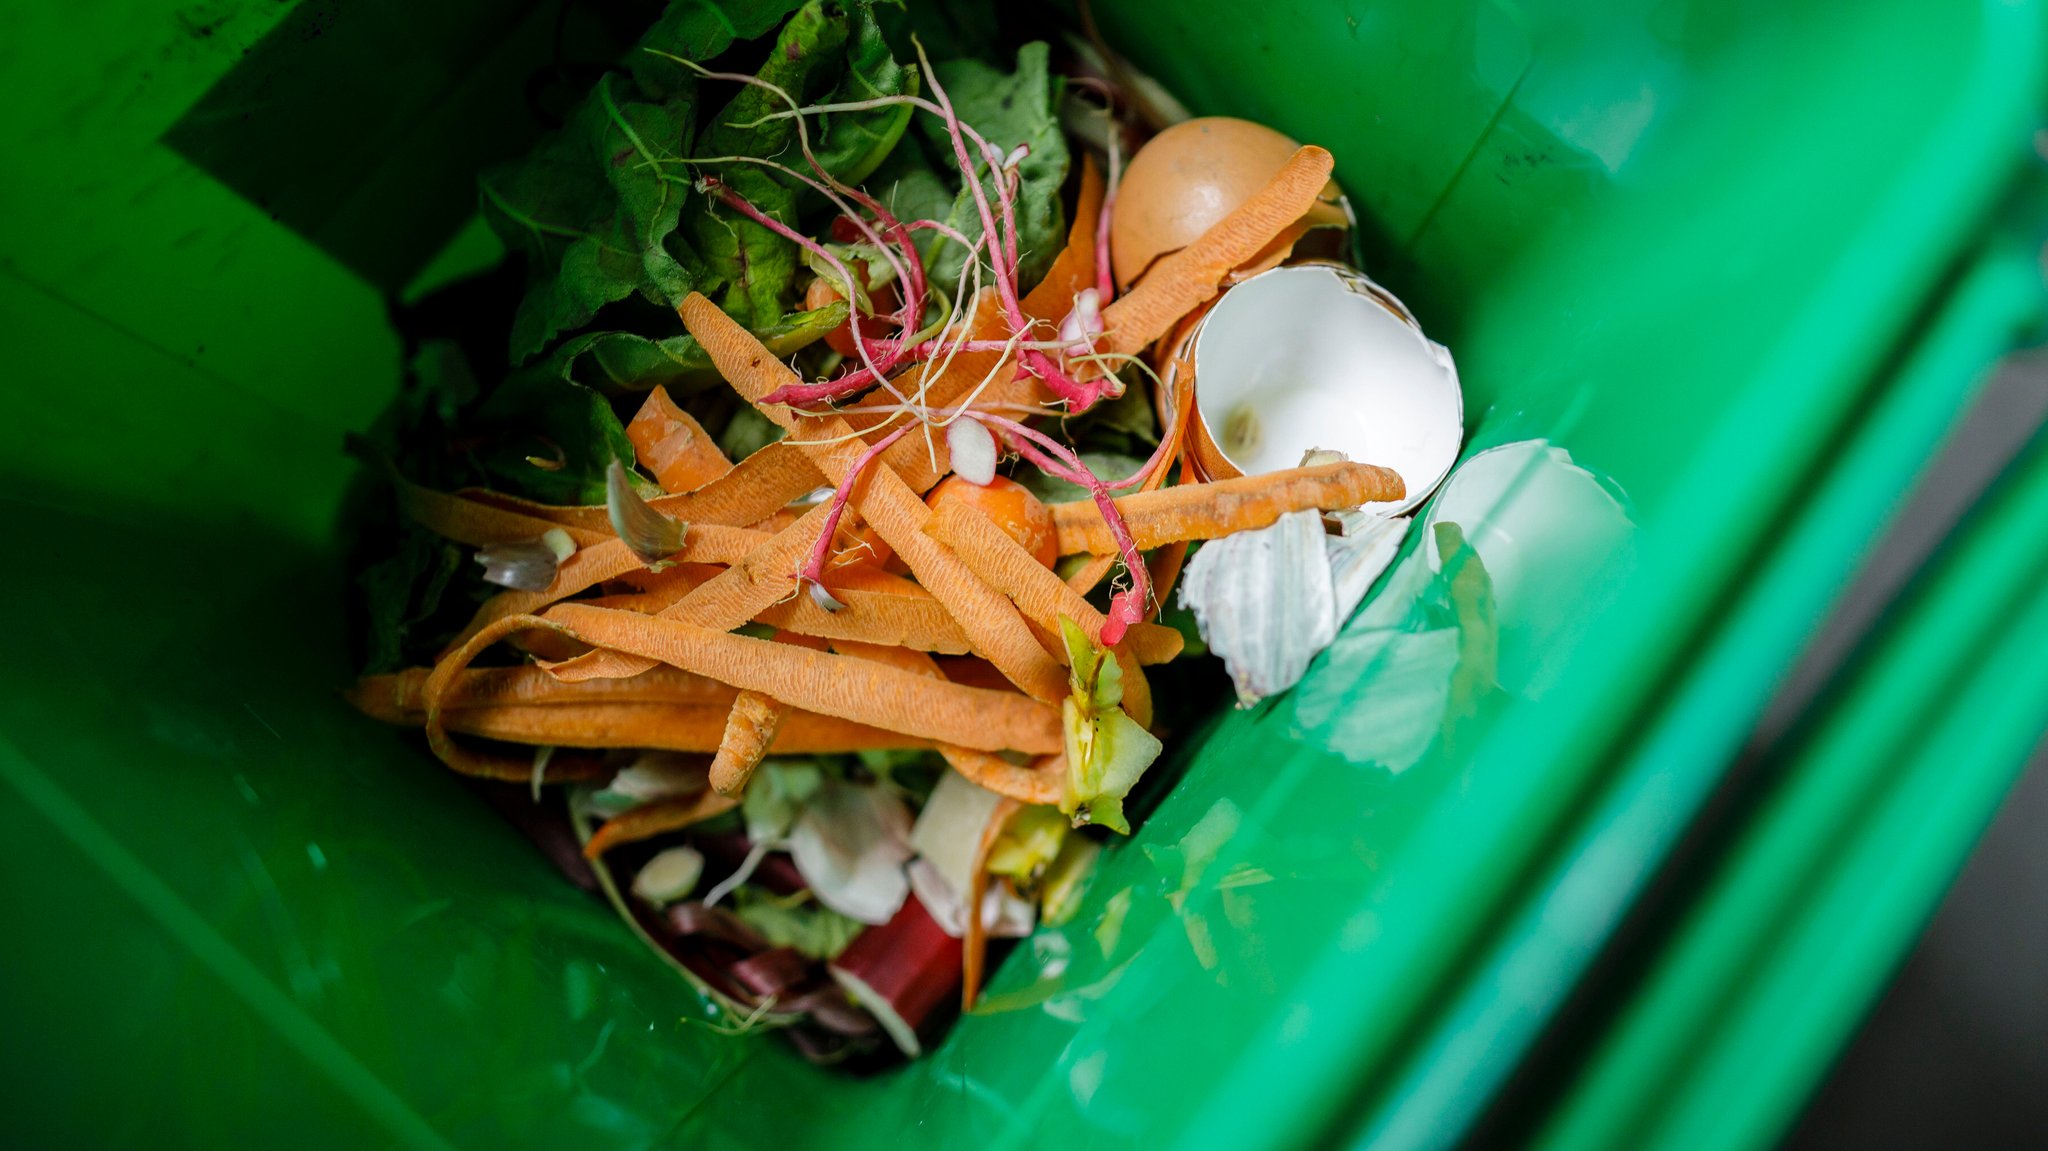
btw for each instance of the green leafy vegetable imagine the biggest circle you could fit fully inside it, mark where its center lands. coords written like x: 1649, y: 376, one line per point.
x: 1107, y: 466
x: 698, y: 30
x: 797, y: 921
x: 548, y: 439
x: 1107, y: 750
x: 595, y: 210
x: 1009, y: 109
x: 402, y: 593
x: 909, y: 185
x: 913, y: 772
x: 757, y: 266
x: 949, y: 28
x: 748, y: 432
x: 851, y: 145
x: 776, y: 796
x: 625, y: 362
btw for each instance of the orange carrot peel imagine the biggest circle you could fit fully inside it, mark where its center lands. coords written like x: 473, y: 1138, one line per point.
x: 820, y: 682
x: 1185, y: 279
x: 1212, y: 510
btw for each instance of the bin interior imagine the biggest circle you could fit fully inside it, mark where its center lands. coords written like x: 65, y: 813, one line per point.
x: 1673, y: 239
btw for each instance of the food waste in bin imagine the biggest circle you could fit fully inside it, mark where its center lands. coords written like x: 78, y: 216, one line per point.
x: 806, y: 536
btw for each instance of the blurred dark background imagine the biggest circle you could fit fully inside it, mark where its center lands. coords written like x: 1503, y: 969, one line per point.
x: 1956, y: 1053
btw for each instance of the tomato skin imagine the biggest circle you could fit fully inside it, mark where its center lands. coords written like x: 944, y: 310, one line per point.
x: 824, y: 293
x: 1012, y: 507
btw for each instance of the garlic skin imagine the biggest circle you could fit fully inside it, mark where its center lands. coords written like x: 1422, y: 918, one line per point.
x: 1269, y: 601
x: 973, y: 451
x: 670, y: 875
x: 1264, y: 602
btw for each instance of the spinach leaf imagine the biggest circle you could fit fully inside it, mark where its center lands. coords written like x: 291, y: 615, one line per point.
x: 547, y: 438
x: 615, y: 362
x: 595, y: 209
x: 1008, y: 108
x: 757, y: 266
x: 851, y: 145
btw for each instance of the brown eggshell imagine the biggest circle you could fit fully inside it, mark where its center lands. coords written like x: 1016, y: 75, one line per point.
x: 1188, y: 178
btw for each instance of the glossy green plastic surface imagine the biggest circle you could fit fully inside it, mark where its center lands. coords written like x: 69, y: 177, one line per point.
x: 1684, y: 242
x: 1540, y: 947
x: 1798, y: 930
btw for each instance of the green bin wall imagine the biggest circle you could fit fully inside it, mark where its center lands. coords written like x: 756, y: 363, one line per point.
x: 1677, y: 240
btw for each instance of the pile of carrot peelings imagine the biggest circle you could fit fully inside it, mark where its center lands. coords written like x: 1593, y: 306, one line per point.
x: 734, y: 618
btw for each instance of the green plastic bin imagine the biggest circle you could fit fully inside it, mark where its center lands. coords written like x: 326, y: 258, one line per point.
x: 1697, y: 246
x: 1799, y: 927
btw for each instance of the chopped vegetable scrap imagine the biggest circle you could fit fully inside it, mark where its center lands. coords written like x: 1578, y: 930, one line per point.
x: 852, y: 440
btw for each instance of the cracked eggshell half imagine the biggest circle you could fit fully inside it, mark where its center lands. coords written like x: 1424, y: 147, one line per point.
x: 1318, y: 356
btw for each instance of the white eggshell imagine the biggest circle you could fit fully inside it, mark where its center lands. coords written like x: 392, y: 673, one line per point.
x: 1315, y: 356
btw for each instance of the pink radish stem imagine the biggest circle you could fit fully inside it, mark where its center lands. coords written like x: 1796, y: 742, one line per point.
x: 814, y: 565
x: 1105, y: 280
x: 741, y: 205
x: 1058, y: 460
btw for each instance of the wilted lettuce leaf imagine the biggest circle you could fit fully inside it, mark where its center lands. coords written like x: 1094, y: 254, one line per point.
x: 625, y: 362
x: 1008, y: 108
x: 801, y: 923
x: 403, y: 592
x: 570, y: 429
x: 595, y: 209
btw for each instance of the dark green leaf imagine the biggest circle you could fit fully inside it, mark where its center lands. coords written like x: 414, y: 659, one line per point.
x: 595, y: 209
x: 698, y: 30
x: 558, y: 210
x: 549, y: 439
x: 625, y: 362
x: 757, y: 266
x: 948, y: 28
x: 643, y: 161
x: 1009, y: 109
x: 402, y: 592
x: 850, y: 145
x: 749, y: 432
x: 909, y: 185
x: 1106, y: 466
